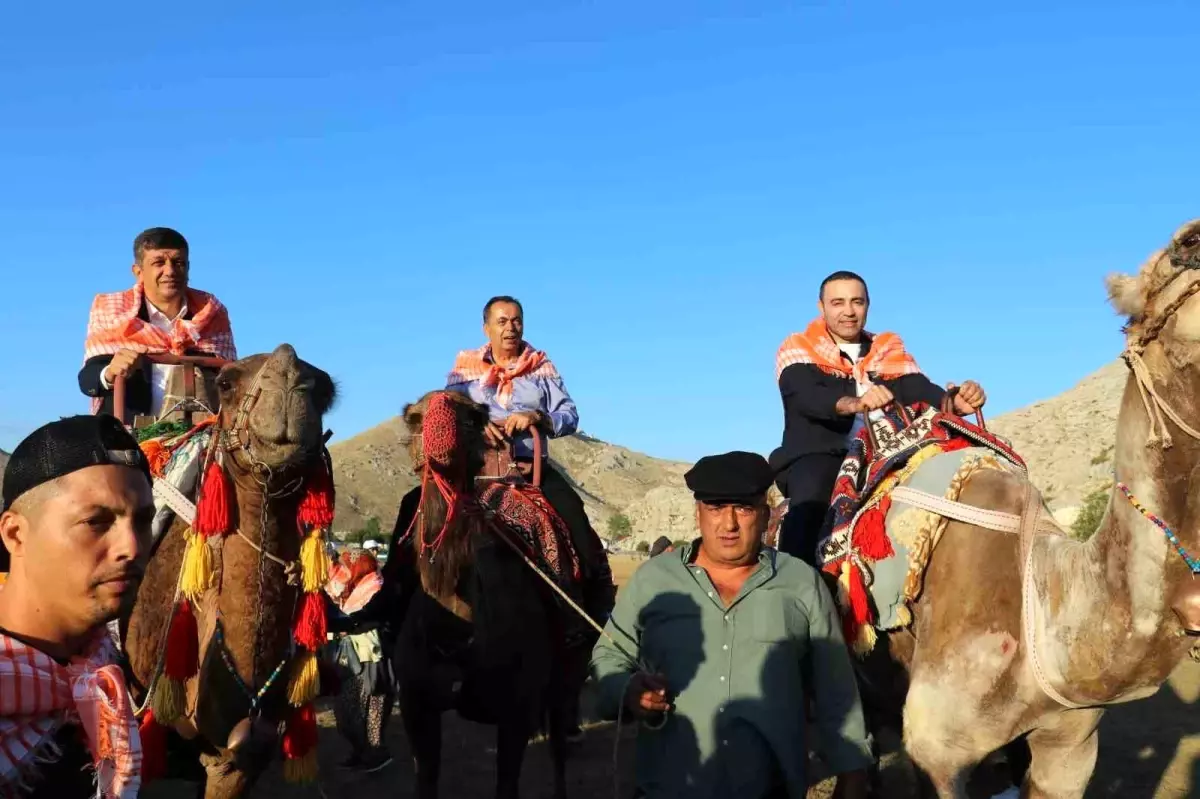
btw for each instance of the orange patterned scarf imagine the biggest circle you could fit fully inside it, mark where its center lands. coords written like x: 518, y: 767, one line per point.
x: 887, y: 357
x: 38, y: 696
x: 114, y: 325
x: 472, y: 365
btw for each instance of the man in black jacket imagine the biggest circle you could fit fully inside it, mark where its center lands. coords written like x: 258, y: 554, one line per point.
x: 829, y: 376
x: 159, y: 314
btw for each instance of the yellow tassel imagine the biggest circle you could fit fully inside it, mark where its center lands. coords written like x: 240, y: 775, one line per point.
x: 301, y: 769
x: 864, y: 641
x: 198, y: 572
x: 314, y: 566
x: 170, y: 700
x: 305, y: 683
x: 903, y: 616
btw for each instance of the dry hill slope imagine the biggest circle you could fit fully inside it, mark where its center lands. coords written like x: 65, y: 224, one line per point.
x: 1067, y: 442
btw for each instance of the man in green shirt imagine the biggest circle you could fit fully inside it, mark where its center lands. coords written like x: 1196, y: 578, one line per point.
x: 730, y: 636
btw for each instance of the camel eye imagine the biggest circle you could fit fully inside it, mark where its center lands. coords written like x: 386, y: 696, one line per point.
x: 1192, y: 240
x: 224, y: 384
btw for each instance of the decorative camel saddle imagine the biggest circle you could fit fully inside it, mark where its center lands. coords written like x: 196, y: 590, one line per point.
x: 895, y: 493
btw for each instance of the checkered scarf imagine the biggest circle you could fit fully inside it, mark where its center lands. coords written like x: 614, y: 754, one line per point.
x: 472, y: 365
x: 114, y: 325
x: 886, y: 358
x: 38, y: 697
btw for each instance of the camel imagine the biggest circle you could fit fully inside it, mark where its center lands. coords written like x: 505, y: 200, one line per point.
x: 1104, y: 621
x: 269, y: 440
x: 477, y: 630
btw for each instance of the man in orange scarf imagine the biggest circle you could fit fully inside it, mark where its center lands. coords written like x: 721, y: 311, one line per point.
x: 75, y: 522
x: 159, y: 314
x: 829, y: 376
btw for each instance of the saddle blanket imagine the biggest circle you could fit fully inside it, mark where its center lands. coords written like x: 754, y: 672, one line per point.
x: 878, y: 547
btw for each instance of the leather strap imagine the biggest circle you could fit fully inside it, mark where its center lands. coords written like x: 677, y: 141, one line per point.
x: 177, y: 502
x: 990, y: 519
x: 1031, y: 609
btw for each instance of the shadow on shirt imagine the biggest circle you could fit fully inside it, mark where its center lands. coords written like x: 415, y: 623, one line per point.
x: 751, y: 730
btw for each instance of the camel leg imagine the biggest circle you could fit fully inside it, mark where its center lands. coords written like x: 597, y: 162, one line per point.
x: 423, y: 726
x: 1063, y: 755
x: 224, y: 780
x: 512, y: 737
x: 946, y: 734
x: 560, y: 717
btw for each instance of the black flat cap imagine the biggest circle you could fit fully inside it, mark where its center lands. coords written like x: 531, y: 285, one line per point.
x: 741, y: 477
x: 68, y: 445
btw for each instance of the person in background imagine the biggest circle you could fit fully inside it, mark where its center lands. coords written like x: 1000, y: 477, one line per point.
x: 160, y: 314
x: 75, y: 521
x: 731, y: 634
x: 829, y: 376
x: 661, y: 545
x: 364, y: 704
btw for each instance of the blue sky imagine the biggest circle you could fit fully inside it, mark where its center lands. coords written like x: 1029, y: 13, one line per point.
x: 663, y: 184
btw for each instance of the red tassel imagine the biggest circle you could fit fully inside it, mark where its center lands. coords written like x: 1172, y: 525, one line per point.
x: 183, y: 645
x: 154, y: 748
x: 316, y: 507
x: 212, y: 511
x: 870, y: 532
x: 301, y: 734
x: 310, y: 629
x: 860, y: 606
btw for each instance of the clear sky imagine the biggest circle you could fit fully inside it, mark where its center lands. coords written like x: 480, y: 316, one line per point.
x: 662, y: 183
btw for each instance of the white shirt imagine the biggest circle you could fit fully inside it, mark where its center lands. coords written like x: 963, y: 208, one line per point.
x: 160, y: 374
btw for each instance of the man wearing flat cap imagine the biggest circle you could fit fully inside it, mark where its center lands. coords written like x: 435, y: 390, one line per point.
x: 75, y: 528
x: 728, y: 637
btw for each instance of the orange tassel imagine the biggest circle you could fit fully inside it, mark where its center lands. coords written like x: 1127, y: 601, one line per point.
x: 154, y: 748
x: 316, y: 507
x: 212, y: 511
x: 183, y: 645
x: 157, y: 455
x: 311, y: 627
x: 870, y: 532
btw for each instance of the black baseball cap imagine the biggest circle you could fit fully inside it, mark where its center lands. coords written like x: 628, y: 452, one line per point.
x: 68, y: 445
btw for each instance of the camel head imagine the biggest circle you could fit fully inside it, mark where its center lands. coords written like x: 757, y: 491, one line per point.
x: 1162, y: 294
x: 272, y: 409
x: 455, y: 440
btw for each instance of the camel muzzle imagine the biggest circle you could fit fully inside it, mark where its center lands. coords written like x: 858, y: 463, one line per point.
x: 1186, y: 606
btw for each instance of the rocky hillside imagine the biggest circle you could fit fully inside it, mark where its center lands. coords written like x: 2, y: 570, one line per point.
x: 1066, y: 440
x: 3, y: 461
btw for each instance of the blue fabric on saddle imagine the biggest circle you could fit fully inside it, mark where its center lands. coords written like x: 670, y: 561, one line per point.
x: 876, y: 548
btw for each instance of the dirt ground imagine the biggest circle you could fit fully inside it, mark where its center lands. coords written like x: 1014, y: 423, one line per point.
x: 1149, y: 748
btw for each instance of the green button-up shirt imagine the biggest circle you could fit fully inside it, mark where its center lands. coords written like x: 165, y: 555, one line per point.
x: 736, y: 676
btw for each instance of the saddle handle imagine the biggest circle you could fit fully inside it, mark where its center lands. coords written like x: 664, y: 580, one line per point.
x: 165, y: 359
x: 948, y: 408
x: 536, y: 476
x: 866, y: 417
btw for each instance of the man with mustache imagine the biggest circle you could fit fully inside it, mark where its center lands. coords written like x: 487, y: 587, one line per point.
x: 75, y: 525
x: 526, y: 397
x: 829, y: 376
x: 160, y: 314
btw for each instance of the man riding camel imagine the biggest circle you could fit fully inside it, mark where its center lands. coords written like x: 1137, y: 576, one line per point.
x: 526, y: 397
x: 160, y: 314
x: 829, y: 375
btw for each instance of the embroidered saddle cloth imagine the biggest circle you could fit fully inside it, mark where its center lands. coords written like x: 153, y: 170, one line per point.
x: 877, y: 547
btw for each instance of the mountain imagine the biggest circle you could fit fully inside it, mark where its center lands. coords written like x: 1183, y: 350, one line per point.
x: 3, y: 461
x: 1066, y: 442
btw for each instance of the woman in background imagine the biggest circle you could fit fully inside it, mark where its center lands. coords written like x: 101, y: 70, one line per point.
x: 364, y: 703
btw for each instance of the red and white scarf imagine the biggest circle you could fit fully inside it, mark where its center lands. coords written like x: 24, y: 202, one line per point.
x: 38, y: 696
x: 887, y: 356
x: 472, y: 365
x: 366, y: 588
x: 114, y: 325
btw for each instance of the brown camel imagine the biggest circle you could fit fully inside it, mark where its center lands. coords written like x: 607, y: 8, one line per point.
x: 1104, y: 621
x: 270, y: 428
x: 477, y: 630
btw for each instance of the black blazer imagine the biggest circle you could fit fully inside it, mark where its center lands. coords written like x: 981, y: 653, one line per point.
x: 812, y: 424
x: 137, y: 385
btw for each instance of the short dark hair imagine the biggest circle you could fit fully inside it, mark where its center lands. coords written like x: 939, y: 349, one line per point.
x: 843, y: 274
x: 157, y: 238
x: 487, y: 309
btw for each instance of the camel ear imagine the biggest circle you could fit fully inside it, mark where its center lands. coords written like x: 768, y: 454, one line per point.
x: 1125, y: 294
x: 413, y: 414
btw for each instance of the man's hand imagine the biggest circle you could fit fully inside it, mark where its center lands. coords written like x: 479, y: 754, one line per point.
x: 122, y: 365
x: 646, y: 695
x: 851, y: 785
x: 970, y: 397
x: 494, y: 434
x: 876, y: 397
x: 520, y: 422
